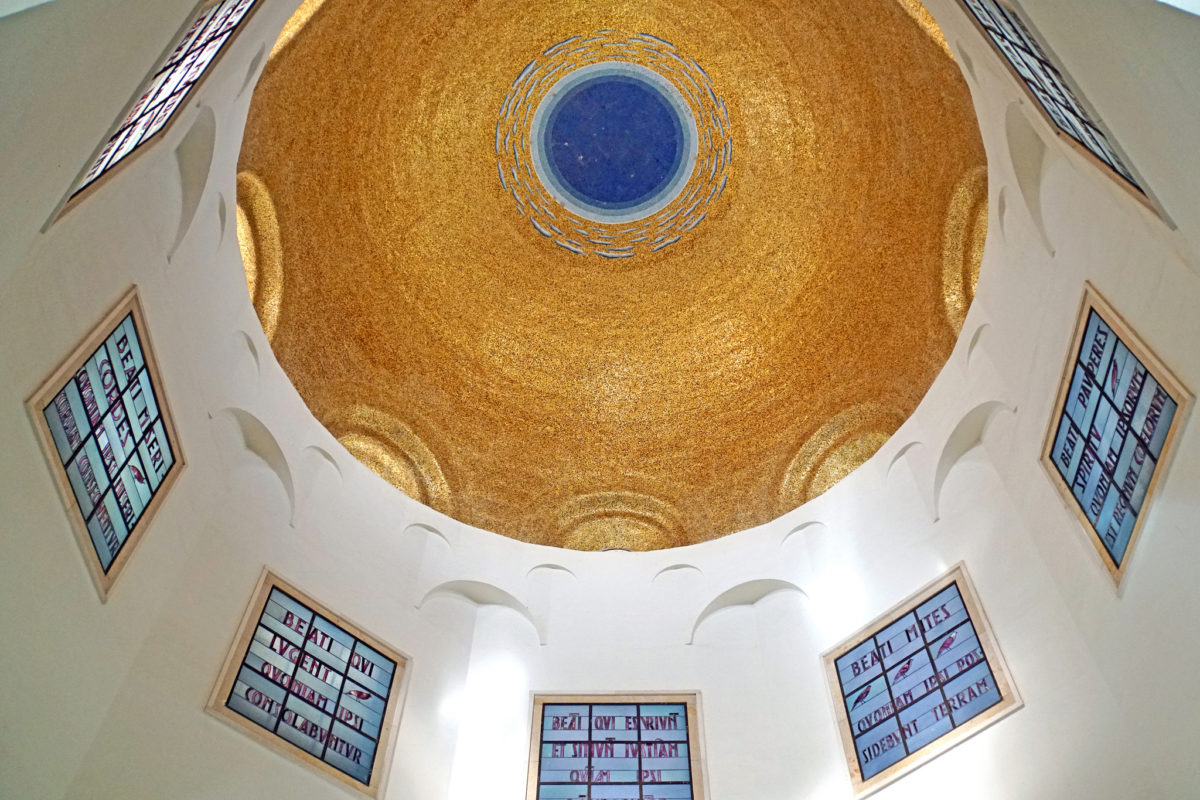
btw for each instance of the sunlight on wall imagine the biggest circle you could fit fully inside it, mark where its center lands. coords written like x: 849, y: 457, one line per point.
x: 838, y: 597
x: 493, y: 704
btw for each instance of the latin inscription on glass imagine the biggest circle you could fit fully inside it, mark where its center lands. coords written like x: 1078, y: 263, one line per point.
x: 315, y: 685
x: 1027, y: 56
x: 614, y: 751
x: 917, y: 681
x: 1110, y: 435
x: 193, y: 53
x: 110, y: 438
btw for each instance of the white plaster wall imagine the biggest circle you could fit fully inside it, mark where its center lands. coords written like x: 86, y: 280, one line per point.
x: 106, y: 701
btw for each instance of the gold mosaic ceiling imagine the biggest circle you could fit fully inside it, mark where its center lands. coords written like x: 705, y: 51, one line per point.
x: 592, y: 402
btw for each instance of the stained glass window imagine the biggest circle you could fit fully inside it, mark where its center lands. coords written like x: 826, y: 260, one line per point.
x: 313, y: 684
x: 604, y: 748
x: 1116, y: 410
x: 1046, y: 81
x: 108, y: 433
x: 194, y: 52
x: 917, y: 681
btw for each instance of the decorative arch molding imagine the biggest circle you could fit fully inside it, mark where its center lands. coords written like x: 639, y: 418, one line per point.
x: 246, y: 341
x: 1028, y: 153
x: 258, y: 440
x: 908, y: 451
x: 807, y: 549
x: 806, y: 529
x: 966, y: 435
x: 550, y: 571
x: 681, y: 570
x: 976, y: 347
x: 253, y: 69
x: 222, y: 217
x: 481, y: 593
x: 1002, y: 207
x: 964, y: 58
x: 314, y: 461
x: 193, y: 160
x: 746, y: 595
x: 427, y: 533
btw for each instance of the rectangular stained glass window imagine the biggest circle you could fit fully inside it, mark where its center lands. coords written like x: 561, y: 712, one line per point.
x: 193, y: 53
x: 1047, y: 83
x: 109, y: 437
x: 917, y: 681
x: 1115, y: 416
x: 312, y: 684
x: 615, y: 748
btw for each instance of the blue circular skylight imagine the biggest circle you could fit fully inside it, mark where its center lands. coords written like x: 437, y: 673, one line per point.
x: 613, y: 144
x: 614, y: 141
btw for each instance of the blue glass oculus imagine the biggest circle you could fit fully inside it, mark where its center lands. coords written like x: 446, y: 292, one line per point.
x: 615, y: 145
x: 614, y: 141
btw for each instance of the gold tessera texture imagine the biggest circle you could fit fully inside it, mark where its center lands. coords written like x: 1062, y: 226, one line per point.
x: 585, y: 402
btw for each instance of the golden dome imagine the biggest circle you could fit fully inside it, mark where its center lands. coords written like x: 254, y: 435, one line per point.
x: 576, y: 400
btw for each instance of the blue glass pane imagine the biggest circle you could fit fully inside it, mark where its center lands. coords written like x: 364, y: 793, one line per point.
x: 1028, y: 57
x: 1110, y: 433
x: 193, y: 53
x: 911, y: 697
x: 307, y: 666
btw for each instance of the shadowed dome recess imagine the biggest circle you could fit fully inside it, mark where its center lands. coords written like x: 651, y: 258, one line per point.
x: 515, y: 266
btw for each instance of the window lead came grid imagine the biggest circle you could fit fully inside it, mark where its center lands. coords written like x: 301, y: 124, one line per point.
x: 110, y: 439
x: 1110, y: 434
x: 312, y: 686
x: 1046, y: 81
x: 614, y: 751
x: 917, y: 681
x: 194, y: 52
x: 315, y: 685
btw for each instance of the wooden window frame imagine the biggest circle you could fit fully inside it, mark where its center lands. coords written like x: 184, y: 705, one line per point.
x: 1093, y: 300
x: 75, y: 196
x: 45, y: 394
x: 1010, y: 699
x: 381, y: 765
x: 696, y: 757
x: 1142, y: 192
